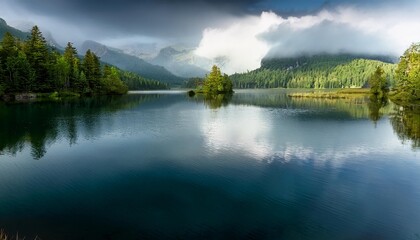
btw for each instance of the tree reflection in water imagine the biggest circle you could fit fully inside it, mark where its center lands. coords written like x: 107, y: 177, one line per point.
x: 38, y: 124
x: 375, y: 105
x: 213, y: 101
x: 406, y: 124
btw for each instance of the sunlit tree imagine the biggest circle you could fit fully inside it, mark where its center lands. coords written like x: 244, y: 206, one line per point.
x: 378, y: 84
x: 216, y: 83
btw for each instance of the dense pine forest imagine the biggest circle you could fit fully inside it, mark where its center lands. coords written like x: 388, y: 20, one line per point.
x: 32, y: 66
x: 318, y: 71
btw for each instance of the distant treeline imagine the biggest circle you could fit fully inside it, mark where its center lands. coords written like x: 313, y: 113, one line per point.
x: 137, y: 82
x: 318, y: 71
x: 33, y: 66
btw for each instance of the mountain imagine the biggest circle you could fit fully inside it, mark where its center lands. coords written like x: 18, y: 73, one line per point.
x: 182, y: 62
x: 15, y: 32
x: 145, y: 51
x: 131, y: 63
x: 316, y: 71
x: 51, y: 41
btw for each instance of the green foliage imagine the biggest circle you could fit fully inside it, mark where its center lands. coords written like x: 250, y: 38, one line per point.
x: 31, y: 66
x: 111, y: 82
x: 72, y: 64
x: 136, y: 82
x: 406, y: 124
x: 4, y: 28
x: 38, y: 55
x: 408, y: 76
x: 216, y: 83
x: 322, y: 71
x: 378, y: 84
x: 92, y: 70
x: 17, y: 73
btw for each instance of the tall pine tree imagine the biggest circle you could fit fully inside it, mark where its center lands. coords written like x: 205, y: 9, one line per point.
x: 92, y: 70
x: 70, y: 57
x: 378, y: 83
x: 38, y: 55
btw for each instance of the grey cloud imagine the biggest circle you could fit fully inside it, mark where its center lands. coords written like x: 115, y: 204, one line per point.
x: 173, y: 19
x: 166, y: 20
x: 161, y: 18
x: 326, y: 37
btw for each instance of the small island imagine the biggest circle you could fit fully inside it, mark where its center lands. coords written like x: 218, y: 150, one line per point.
x: 214, y: 83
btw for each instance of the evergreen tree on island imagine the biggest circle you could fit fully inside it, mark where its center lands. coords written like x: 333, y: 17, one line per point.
x: 216, y: 83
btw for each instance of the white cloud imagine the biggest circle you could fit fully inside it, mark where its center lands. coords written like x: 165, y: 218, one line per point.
x: 345, y: 29
x: 239, y: 42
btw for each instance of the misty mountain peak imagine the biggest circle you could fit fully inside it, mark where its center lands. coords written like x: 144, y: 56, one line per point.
x: 4, y: 27
x: 51, y: 40
x: 97, y: 48
x: 3, y: 22
x: 169, y: 51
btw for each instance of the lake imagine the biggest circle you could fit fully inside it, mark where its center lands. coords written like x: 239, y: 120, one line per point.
x: 162, y: 165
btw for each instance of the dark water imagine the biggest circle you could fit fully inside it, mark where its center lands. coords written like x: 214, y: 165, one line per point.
x: 257, y: 165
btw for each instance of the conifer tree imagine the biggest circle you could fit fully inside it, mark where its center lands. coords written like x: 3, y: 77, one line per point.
x: 111, y: 81
x: 92, y: 69
x: 216, y: 83
x: 37, y: 52
x: 70, y: 56
x: 378, y: 83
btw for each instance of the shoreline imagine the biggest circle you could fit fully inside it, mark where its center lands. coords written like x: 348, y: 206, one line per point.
x: 339, y: 94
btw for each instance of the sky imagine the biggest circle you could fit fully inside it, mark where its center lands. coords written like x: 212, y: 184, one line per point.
x: 242, y: 31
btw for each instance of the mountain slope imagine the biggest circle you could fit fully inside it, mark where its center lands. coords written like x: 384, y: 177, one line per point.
x: 15, y: 32
x: 182, y: 62
x: 131, y: 63
x: 318, y: 71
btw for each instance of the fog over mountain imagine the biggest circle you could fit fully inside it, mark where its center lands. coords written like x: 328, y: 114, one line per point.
x: 241, y: 33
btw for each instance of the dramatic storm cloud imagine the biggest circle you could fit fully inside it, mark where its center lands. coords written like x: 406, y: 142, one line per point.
x: 153, y: 19
x: 240, y: 31
x: 383, y: 31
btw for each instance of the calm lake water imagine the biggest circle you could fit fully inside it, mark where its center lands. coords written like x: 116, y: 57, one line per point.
x: 161, y: 165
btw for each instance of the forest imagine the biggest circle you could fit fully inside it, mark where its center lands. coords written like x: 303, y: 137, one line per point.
x: 318, y: 71
x: 32, y: 66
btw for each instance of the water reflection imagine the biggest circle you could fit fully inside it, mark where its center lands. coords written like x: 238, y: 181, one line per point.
x: 356, y: 108
x: 166, y: 166
x: 375, y: 105
x: 39, y: 124
x: 406, y: 124
x: 213, y: 101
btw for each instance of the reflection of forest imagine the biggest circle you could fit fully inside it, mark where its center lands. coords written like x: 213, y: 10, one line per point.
x: 356, y: 108
x: 38, y: 124
x: 406, y: 124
